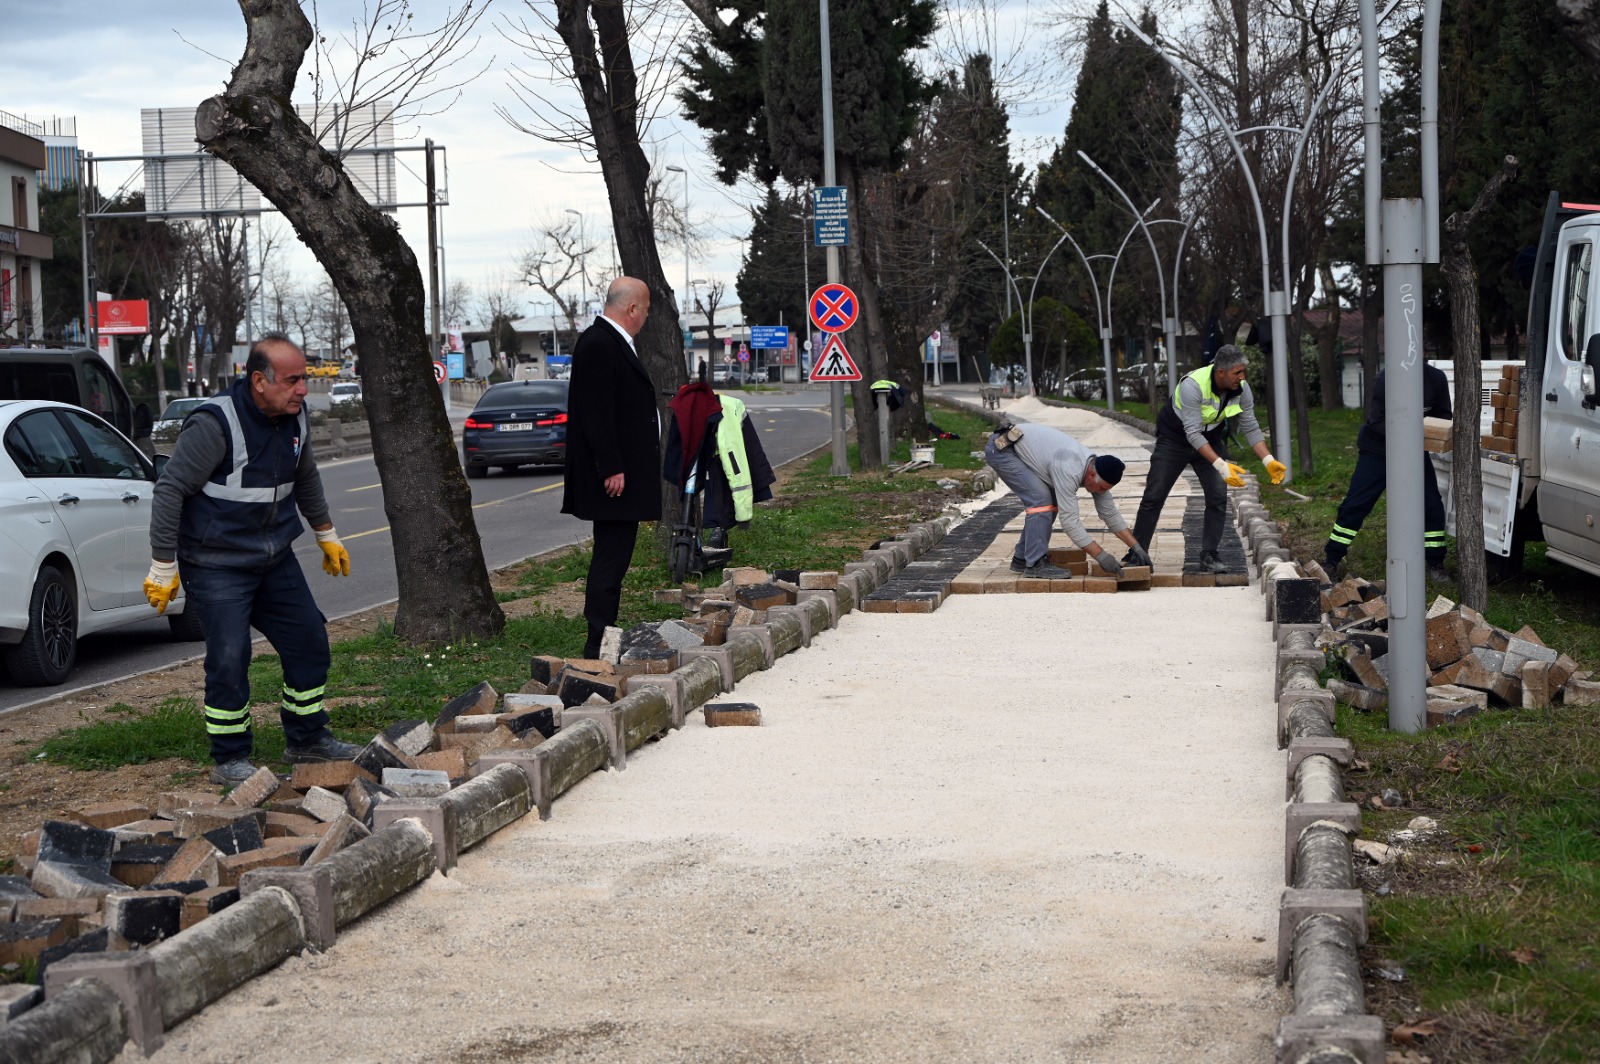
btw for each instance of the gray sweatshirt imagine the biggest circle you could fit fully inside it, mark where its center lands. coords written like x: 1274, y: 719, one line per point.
x: 201, y: 448
x: 1060, y: 461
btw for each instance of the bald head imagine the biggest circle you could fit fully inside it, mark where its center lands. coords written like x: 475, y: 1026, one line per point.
x: 628, y: 303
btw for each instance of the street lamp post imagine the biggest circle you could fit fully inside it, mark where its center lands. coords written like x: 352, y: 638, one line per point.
x: 583, y: 260
x: 685, y: 173
x: 1027, y: 310
x: 1106, y: 319
x: 1161, y: 282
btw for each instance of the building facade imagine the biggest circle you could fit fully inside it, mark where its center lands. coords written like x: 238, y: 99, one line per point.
x: 22, y: 245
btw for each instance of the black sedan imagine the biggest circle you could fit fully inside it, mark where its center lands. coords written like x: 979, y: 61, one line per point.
x: 515, y: 424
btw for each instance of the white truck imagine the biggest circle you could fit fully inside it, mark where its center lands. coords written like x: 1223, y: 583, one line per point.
x: 1550, y: 488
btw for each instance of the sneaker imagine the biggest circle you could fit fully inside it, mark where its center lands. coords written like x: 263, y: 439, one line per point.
x: 326, y: 748
x: 232, y: 773
x: 1017, y: 564
x: 1211, y: 562
x: 1046, y: 571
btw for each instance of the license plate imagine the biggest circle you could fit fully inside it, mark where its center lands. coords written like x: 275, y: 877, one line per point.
x: 515, y: 427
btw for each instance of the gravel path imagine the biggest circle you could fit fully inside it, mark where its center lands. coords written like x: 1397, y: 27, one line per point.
x: 1021, y: 828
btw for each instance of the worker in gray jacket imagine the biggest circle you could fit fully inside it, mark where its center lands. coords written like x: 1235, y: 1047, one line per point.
x: 1045, y: 467
x: 226, y: 512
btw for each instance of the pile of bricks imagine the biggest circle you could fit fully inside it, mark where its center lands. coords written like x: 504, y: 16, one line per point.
x: 1505, y: 400
x: 1472, y: 663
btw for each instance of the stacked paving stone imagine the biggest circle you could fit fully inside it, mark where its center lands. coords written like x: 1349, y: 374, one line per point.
x: 1472, y: 663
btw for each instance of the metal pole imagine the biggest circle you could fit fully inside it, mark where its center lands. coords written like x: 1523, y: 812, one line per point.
x: 840, y: 466
x: 1005, y: 237
x: 85, y: 189
x: 434, y: 337
x: 1161, y: 280
x: 1430, y: 131
x: 1403, y: 253
x: 1012, y: 284
x: 1371, y: 116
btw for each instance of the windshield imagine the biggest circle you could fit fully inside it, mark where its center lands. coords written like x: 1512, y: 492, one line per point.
x: 525, y: 393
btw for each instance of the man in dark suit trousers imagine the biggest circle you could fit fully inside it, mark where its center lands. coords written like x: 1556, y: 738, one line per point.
x: 613, y: 467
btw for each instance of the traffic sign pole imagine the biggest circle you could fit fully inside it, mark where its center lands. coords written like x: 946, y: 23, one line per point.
x: 841, y: 457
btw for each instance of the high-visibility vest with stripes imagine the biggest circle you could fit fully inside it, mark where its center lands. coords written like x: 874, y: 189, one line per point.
x: 246, y: 513
x: 1214, y: 408
x: 735, y: 463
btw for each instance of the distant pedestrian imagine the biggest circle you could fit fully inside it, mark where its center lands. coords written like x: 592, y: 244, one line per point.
x: 226, y: 512
x: 1189, y: 433
x: 613, y: 463
x: 1371, y: 474
x: 1045, y: 467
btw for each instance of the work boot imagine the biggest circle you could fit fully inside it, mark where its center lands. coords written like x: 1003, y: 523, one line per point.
x: 1438, y: 574
x: 1211, y: 562
x: 1017, y: 564
x: 232, y: 773
x: 1043, y: 570
x: 326, y: 748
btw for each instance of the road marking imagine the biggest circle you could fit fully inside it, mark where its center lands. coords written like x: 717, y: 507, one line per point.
x: 366, y: 487
x: 476, y: 506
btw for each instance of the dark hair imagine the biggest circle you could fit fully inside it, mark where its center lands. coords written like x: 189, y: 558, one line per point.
x: 258, y: 362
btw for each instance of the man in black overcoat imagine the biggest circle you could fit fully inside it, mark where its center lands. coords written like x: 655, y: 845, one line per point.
x: 613, y: 467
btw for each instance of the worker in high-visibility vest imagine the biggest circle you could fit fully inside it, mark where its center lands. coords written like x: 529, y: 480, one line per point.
x: 1189, y: 433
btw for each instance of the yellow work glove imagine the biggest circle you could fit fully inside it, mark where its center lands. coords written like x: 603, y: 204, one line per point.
x: 1232, y: 475
x: 335, y: 559
x: 1275, y: 469
x: 161, y: 584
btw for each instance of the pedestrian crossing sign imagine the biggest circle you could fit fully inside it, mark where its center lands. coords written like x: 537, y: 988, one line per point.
x: 834, y: 362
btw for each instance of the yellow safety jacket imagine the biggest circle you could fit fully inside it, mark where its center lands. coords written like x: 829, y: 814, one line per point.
x: 735, y: 464
x: 1212, y: 409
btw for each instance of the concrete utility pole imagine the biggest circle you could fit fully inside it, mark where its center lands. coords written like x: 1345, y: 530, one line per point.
x: 841, y: 455
x: 1402, y: 236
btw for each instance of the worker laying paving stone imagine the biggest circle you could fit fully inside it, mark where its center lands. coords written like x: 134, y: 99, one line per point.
x: 1018, y: 828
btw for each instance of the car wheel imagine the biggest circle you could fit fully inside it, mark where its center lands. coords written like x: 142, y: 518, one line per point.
x: 186, y: 626
x: 49, y: 647
x: 477, y: 472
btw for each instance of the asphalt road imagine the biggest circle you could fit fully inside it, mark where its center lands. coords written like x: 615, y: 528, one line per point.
x: 518, y: 515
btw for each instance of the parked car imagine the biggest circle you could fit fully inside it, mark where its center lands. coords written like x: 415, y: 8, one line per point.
x: 515, y: 424
x: 74, y: 539
x: 345, y: 392
x: 73, y: 375
x: 171, y: 418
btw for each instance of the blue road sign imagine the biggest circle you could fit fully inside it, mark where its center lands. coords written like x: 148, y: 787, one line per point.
x: 457, y: 360
x: 831, y: 216
x: 769, y: 336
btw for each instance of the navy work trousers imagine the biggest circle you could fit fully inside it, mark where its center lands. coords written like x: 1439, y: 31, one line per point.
x: 1167, y: 462
x: 275, y: 601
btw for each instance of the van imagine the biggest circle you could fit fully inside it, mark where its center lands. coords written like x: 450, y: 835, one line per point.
x: 78, y: 376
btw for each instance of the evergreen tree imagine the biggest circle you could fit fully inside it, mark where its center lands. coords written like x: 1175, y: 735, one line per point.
x: 772, y: 280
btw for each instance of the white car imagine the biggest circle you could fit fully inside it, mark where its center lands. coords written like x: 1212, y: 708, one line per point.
x: 345, y: 392
x: 75, y: 500
x: 172, y: 417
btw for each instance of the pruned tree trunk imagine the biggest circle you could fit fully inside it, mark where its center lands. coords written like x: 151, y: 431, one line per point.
x: 1328, y: 343
x: 596, y: 36
x: 443, y: 582
x: 1371, y: 328
x: 1466, y: 479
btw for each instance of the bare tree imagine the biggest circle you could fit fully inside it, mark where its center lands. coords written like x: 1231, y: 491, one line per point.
x: 714, y: 294
x: 457, y: 302
x: 618, y: 58
x: 498, y: 303
x: 443, y: 581
x: 555, y: 265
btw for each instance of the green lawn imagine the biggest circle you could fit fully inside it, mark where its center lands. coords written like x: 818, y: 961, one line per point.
x: 1496, y: 922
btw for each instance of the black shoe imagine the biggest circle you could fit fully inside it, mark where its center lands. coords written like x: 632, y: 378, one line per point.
x: 1438, y: 574
x: 1211, y: 562
x: 232, y: 773
x: 1017, y: 564
x: 1137, y: 556
x: 326, y: 748
x: 1045, y: 571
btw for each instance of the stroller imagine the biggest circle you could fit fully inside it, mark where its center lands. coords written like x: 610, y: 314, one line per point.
x: 706, y: 477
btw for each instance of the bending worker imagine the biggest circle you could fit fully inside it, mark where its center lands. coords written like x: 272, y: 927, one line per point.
x: 1189, y: 432
x: 1046, y: 467
x: 225, y: 516
x: 1367, y: 482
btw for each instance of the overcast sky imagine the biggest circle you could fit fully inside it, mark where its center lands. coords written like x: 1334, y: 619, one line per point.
x: 102, y: 61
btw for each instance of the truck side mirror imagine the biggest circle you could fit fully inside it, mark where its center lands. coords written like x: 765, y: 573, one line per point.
x: 143, y: 422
